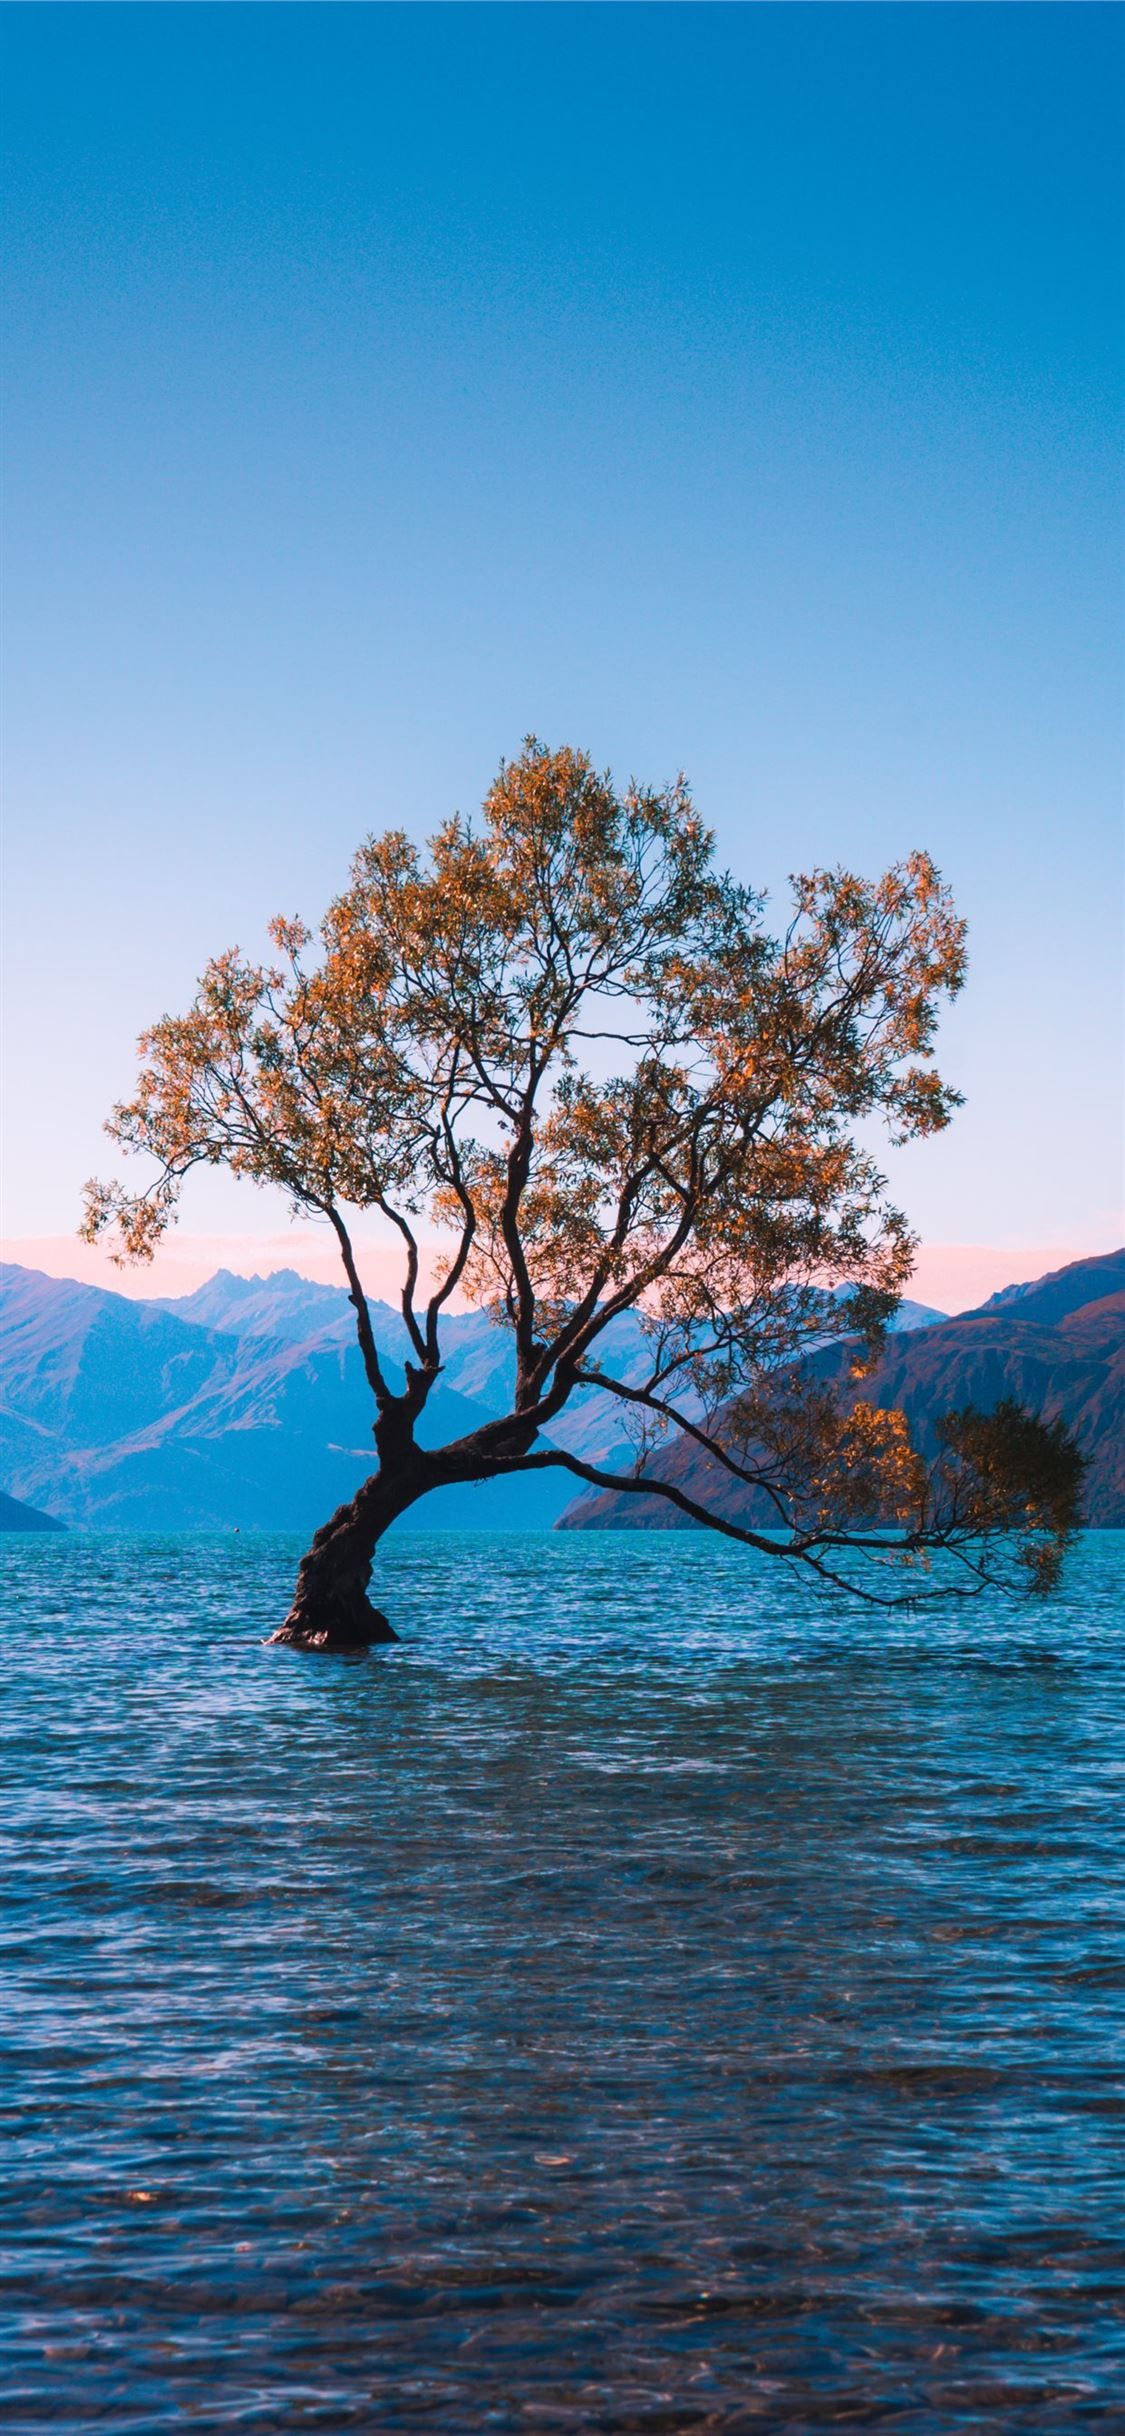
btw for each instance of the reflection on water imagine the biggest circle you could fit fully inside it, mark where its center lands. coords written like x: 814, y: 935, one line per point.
x: 649, y: 1999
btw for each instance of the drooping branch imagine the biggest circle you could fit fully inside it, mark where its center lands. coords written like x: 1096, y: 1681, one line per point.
x: 802, y: 1551
x: 672, y: 1417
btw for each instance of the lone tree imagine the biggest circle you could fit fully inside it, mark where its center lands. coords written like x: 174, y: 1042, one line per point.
x: 566, y: 1038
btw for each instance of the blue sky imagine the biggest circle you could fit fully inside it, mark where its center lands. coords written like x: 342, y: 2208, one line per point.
x: 735, y: 389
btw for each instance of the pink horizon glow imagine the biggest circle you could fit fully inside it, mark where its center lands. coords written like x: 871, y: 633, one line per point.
x: 952, y: 1276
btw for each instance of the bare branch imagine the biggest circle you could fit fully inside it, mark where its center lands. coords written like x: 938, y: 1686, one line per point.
x: 375, y: 1379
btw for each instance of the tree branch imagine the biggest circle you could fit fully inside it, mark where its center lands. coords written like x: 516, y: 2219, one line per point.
x: 411, y: 1279
x: 790, y: 1551
x: 383, y: 1395
x: 688, y: 1429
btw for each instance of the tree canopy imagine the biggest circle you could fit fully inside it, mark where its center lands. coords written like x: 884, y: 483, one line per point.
x: 566, y: 1039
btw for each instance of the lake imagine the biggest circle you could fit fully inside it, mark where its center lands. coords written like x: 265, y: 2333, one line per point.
x: 654, y: 1997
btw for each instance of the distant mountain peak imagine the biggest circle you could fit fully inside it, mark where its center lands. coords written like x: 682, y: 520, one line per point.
x: 281, y: 1303
x: 238, y: 1281
x: 1047, y: 1300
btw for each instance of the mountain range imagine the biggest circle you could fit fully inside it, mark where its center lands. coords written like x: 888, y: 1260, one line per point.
x: 128, y: 1415
x: 1056, y: 1346
x: 245, y: 1403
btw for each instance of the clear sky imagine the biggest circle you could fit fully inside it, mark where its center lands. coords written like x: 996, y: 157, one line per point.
x: 727, y: 388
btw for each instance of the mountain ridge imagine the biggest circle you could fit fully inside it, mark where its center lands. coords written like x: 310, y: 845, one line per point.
x: 245, y: 1402
x: 119, y: 1413
x: 1073, y: 1366
x: 15, y: 1516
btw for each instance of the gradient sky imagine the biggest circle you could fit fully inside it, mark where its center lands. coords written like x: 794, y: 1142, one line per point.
x: 727, y: 388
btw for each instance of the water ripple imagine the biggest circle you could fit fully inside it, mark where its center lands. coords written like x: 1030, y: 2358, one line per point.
x: 650, y: 1998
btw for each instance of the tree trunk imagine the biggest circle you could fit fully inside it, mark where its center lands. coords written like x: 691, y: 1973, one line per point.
x: 331, y: 1609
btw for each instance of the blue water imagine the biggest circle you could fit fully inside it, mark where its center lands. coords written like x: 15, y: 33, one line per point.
x: 652, y: 1998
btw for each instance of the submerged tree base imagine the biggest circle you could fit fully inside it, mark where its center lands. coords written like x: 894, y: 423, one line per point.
x: 334, y: 1627
x: 331, y: 1610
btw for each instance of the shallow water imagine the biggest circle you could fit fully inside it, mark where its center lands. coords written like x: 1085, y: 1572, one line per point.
x: 651, y: 1998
